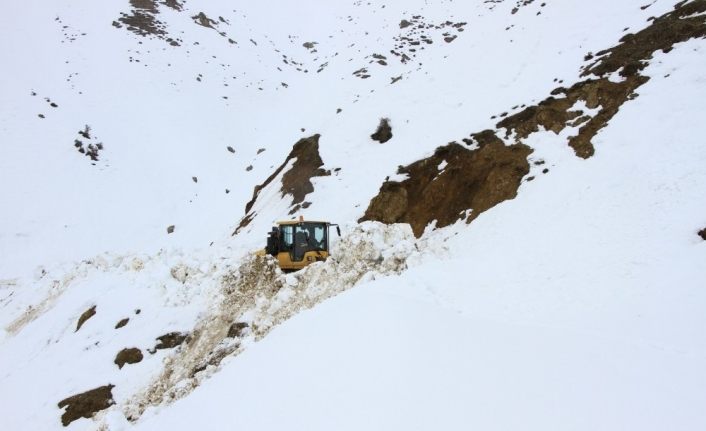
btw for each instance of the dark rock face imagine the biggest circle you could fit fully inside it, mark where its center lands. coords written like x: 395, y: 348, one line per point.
x: 469, y: 179
x: 122, y: 323
x: 170, y: 340
x: 634, y: 51
x: 237, y: 329
x: 85, y: 316
x: 86, y: 404
x: 480, y: 178
x: 702, y: 234
x: 628, y: 58
x: 297, y: 180
x: 203, y: 20
x: 131, y: 355
x: 142, y: 19
x: 554, y: 113
x: 383, y: 132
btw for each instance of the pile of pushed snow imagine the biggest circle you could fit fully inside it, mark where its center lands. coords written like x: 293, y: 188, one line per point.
x: 258, y: 296
x: 207, y: 306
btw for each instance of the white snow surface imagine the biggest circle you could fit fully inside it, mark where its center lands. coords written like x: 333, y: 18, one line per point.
x: 578, y: 305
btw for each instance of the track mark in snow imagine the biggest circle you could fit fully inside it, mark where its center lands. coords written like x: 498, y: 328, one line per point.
x: 32, y: 312
x: 55, y: 286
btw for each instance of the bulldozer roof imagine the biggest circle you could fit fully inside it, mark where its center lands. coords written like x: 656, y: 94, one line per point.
x: 293, y: 222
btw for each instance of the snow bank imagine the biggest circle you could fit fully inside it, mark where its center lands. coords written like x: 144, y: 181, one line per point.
x: 257, y: 296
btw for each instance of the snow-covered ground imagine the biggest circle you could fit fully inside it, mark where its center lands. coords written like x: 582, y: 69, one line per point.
x: 577, y: 305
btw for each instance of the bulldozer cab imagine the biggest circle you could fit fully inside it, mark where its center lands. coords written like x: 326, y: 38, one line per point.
x: 297, y: 244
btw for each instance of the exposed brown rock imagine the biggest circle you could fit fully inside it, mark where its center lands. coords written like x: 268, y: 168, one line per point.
x: 472, y: 179
x: 297, y: 180
x: 150, y: 5
x: 122, y: 323
x: 141, y: 23
x: 174, y: 4
x: 131, y: 355
x: 554, y: 113
x: 628, y: 58
x: 702, y: 234
x: 170, y: 340
x: 142, y: 19
x: 203, y: 20
x: 383, y: 132
x: 634, y: 50
x: 237, y: 329
x: 85, y: 316
x: 86, y: 404
x: 244, y: 222
x: 481, y: 178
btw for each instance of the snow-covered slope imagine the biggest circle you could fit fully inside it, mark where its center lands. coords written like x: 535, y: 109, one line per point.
x: 576, y: 305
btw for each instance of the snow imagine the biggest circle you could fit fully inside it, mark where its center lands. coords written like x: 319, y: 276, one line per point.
x: 529, y: 326
x: 577, y: 305
x: 160, y: 126
x: 424, y: 367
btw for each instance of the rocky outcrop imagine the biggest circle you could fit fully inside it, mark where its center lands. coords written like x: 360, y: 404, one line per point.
x: 86, y: 404
x: 296, y: 181
x: 131, y: 355
x: 474, y: 180
x: 455, y: 179
x: 85, y: 316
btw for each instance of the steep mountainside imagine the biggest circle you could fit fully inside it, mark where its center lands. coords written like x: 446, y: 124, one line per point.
x: 520, y: 186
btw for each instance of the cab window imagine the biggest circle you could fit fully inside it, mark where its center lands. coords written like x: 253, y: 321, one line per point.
x: 287, y: 236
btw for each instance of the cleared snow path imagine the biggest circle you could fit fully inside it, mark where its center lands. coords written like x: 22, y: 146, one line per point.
x: 220, y: 305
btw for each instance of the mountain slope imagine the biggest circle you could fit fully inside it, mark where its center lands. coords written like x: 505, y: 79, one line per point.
x: 572, y: 301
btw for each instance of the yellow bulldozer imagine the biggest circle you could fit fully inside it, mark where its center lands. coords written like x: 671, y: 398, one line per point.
x: 298, y: 243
